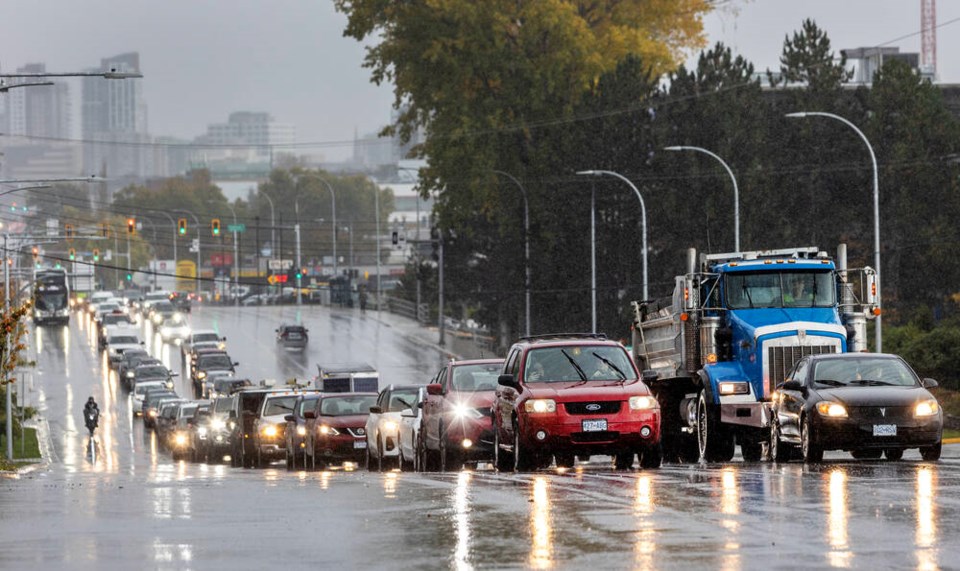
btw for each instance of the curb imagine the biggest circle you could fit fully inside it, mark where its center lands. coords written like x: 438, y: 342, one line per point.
x: 951, y: 440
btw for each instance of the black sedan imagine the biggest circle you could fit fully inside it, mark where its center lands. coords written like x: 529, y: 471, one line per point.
x: 866, y: 403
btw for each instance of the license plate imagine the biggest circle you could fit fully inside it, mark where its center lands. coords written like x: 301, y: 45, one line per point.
x: 884, y: 429
x: 293, y: 336
x: 360, y: 444
x: 598, y: 425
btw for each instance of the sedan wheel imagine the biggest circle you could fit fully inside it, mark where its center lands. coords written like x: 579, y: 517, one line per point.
x: 780, y: 451
x: 812, y: 450
x: 379, y: 453
x: 931, y: 453
x: 565, y: 460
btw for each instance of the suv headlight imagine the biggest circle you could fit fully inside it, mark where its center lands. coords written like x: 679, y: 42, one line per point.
x: 218, y: 424
x: 269, y: 431
x: 831, y: 409
x: 643, y: 402
x: 926, y: 408
x: 328, y: 430
x: 540, y: 405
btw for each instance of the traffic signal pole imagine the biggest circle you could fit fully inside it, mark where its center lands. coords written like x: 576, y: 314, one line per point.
x: 296, y: 230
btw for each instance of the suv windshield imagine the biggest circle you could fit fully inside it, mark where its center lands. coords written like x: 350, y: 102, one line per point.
x: 348, y: 405
x: 779, y: 289
x: 152, y: 371
x: 279, y: 405
x: 578, y: 363
x: 470, y: 378
x: 123, y: 339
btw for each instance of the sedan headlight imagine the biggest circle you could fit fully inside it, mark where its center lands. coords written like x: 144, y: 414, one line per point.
x: 328, y: 430
x: 831, y: 409
x: 129, y: 374
x: 390, y: 426
x: 157, y: 318
x: 270, y: 431
x: 180, y: 439
x: 926, y: 408
x: 461, y: 410
x: 177, y: 318
x: 540, y: 405
x: 202, y: 430
x: 202, y: 375
x: 643, y: 403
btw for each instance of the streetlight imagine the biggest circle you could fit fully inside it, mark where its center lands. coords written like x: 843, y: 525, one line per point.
x: 876, y: 207
x: 526, y: 241
x: 333, y: 205
x: 643, y: 212
x: 736, y: 192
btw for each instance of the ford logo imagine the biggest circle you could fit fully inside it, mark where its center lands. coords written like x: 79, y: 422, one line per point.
x: 592, y: 406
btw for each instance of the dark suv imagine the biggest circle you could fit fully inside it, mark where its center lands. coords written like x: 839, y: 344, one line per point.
x: 292, y: 336
x: 572, y: 395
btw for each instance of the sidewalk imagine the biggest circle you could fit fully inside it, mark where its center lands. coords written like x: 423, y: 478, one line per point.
x: 457, y: 344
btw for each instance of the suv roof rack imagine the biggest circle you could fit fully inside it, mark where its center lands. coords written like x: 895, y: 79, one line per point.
x: 602, y: 336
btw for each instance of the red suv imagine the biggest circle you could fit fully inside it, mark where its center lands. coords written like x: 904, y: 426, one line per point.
x: 564, y: 396
x: 457, y: 424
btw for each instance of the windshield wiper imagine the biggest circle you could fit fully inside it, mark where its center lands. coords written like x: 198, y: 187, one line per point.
x: 830, y: 382
x: 404, y: 403
x: 583, y: 376
x: 870, y: 382
x: 746, y: 290
x: 611, y: 365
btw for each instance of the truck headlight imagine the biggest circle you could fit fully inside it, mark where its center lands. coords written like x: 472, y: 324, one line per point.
x: 129, y: 374
x: 540, y: 405
x: 202, y: 430
x: 926, y: 408
x: 831, y: 409
x: 734, y: 388
x: 643, y: 403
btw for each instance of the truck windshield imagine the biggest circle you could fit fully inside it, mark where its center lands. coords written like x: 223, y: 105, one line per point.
x: 779, y: 289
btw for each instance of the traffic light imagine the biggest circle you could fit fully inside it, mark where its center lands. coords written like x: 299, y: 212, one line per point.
x: 299, y: 274
x: 96, y: 254
x: 68, y: 231
x: 104, y: 229
x: 395, y: 238
x: 73, y: 254
x: 182, y: 226
x: 215, y: 226
x: 129, y: 276
x: 36, y: 253
x: 131, y: 225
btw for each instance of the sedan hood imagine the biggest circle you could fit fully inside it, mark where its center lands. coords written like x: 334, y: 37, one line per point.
x: 876, y: 396
x: 349, y: 421
x: 590, y: 390
x: 478, y: 399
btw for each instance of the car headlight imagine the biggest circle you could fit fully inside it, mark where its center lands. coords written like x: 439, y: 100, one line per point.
x: 390, y: 426
x: 831, y: 409
x: 301, y: 431
x: 643, y: 403
x: 202, y: 430
x: 218, y: 424
x: 169, y: 384
x: 157, y: 318
x: 328, y: 430
x: 129, y: 374
x: 540, y: 405
x: 270, y: 430
x: 152, y: 413
x: 177, y: 318
x: 926, y: 408
x: 180, y: 439
x: 734, y: 388
x: 202, y: 375
x: 461, y: 410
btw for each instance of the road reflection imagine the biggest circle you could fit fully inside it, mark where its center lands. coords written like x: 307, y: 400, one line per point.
x: 461, y: 506
x: 541, y: 531
x: 646, y: 543
x: 730, y: 506
x: 839, y: 554
x: 926, y: 535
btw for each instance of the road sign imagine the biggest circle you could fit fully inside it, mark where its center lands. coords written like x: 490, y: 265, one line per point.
x: 279, y: 264
x: 195, y: 246
x: 236, y: 227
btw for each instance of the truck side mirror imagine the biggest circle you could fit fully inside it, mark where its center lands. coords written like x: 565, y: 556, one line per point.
x: 289, y: 418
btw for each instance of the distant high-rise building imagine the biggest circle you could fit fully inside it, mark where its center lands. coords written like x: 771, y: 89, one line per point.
x: 244, y: 146
x: 114, y: 110
x: 40, y: 116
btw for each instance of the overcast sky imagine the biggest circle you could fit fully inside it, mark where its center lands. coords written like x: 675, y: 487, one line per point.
x: 206, y: 58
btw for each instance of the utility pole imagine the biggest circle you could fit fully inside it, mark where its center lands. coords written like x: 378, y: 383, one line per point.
x: 6, y: 309
x: 440, y: 288
x: 296, y: 230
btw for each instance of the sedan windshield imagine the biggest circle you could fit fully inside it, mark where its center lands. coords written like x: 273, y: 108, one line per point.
x: 348, y: 405
x: 152, y: 371
x: 201, y: 337
x: 123, y: 340
x: 863, y: 372
x: 779, y: 289
x: 578, y: 363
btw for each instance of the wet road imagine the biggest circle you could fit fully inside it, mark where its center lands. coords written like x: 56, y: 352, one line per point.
x: 132, y: 507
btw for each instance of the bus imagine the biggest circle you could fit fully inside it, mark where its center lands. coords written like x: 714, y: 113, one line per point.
x: 51, y: 297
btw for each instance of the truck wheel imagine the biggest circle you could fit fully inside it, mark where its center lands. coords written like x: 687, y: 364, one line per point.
x: 715, y: 444
x: 812, y: 449
x: 651, y: 457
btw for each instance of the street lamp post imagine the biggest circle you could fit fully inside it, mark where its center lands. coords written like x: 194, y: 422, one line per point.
x: 736, y: 192
x: 643, y: 212
x: 876, y: 208
x: 273, y: 226
x: 526, y: 242
x: 333, y: 206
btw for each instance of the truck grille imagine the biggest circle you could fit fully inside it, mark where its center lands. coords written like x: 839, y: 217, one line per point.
x: 782, y: 359
x: 608, y: 407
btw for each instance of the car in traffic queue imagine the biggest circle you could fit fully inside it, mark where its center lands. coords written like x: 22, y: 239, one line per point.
x: 212, y: 363
x: 295, y: 432
x: 147, y: 370
x: 140, y: 391
x: 132, y: 358
x: 457, y: 422
x: 218, y: 425
x: 166, y: 420
x: 869, y: 404
x: 207, y: 338
x: 336, y: 428
x: 183, y: 434
x: 118, y: 341
x: 245, y: 408
x: 382, y: 427
x: 174, y: 328
x: 152, y: 298
x: 181, y: 300
x: 564, y: 396
x: 151, y: 405
x: 292, y: 336
x: 408, y: 438
x: 226, y: 386
x: 113, y: 319
x: 270, y: 426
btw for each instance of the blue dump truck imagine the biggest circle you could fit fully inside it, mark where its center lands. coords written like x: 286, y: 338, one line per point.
x: 715, y: 351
